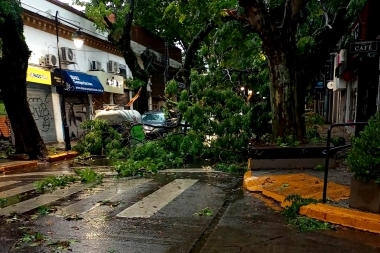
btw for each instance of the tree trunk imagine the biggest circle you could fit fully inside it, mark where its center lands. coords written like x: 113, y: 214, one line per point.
x: 13, y: 68
x: 286, y: 119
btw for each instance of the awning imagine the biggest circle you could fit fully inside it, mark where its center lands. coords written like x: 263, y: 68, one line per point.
x: 80, y: 82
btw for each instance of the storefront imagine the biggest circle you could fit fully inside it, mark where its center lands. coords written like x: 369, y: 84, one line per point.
x: 79, y: 86
x: 114, y: 90
x: 39, y: 97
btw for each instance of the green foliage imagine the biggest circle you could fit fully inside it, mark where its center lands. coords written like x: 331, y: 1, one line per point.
x: 338, y: 141
x: 205, y: 212
x: 313, y: 121
x: 43, y: 210
x: 171, y: 88
x: 88, y: 175
x: 101, y: 138
x: 151, y: 157
x: 134, y: 84
x: 364, y: 157
x: 319, y: 167
x: 9, y: 8
x: 287, y: 141
x: 3, y: 201
x: 231, y: 168
x: 53, y: 182
x: 302, y: 223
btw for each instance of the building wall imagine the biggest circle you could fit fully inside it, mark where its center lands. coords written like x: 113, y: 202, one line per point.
x: 40, y: 35
x: 42, y: 43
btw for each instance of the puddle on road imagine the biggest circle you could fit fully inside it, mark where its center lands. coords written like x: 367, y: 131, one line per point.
x: 100, y: 162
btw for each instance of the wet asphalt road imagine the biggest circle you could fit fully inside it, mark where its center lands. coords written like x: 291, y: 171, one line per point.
x: 238, y: 222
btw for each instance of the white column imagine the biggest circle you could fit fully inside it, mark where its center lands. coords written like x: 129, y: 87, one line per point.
x: 90, y: 109
x: 130, y: 98
x: 111, y: 99
x: 150, y: 106
x: 56, y: 99
x: 348, y: 100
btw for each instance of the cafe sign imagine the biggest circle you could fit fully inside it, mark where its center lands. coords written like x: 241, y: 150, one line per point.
x: 363, y: 47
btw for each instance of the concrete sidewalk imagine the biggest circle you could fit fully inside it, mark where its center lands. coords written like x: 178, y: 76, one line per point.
x: 278, y: 186
x: 12, y: 165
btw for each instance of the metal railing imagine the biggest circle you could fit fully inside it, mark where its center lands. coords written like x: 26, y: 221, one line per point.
x: 328, y: 150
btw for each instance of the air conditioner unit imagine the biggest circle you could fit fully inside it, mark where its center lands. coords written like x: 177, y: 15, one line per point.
x: 68, y: 55
x: 342, y: 55
x: 96, y: 65
x: 113, y: 67
x: 51, y: 60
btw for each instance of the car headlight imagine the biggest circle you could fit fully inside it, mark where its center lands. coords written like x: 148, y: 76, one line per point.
x: 148, y: 128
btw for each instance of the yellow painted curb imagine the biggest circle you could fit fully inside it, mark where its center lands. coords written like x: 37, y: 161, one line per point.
x: 17, y: 165
x: 62, y: 156
x: 342, y: 216
x: 336, y: 215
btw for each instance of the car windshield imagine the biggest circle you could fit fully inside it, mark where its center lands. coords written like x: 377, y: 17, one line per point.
x: 154, y: 117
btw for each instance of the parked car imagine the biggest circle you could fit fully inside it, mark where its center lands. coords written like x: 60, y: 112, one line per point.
x: 119, y: 119
x: 153, y: 122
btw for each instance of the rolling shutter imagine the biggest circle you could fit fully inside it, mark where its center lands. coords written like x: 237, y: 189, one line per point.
x: 41, y: 105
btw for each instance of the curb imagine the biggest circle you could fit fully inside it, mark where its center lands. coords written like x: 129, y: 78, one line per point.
x: 336, y: 215
x: 17, y: 165
x: 62, y: 156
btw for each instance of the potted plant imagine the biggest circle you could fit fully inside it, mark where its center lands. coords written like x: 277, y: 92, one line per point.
x: 364, y: 160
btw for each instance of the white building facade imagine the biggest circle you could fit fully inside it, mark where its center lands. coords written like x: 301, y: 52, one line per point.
x: 95, y: 74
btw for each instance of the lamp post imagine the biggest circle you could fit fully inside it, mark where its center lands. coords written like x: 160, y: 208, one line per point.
x: 78, y: 41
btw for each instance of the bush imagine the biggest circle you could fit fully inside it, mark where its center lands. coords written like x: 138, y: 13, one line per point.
x: 364, y: 157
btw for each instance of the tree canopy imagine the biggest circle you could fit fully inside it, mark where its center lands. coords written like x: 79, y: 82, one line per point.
x: 273, y: 47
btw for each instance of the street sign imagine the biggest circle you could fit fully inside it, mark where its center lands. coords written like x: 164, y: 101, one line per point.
x: 318, y: 85
x: 363, y: 47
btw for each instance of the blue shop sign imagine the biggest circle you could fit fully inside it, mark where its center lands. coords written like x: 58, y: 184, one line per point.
x: 318, y: 85
x: 80, y: 82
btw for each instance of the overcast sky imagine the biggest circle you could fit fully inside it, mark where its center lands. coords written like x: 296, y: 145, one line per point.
x: 70, y: 3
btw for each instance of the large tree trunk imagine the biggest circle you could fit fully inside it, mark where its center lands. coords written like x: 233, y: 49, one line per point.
x: 284, y: 102
x: 13, y: 68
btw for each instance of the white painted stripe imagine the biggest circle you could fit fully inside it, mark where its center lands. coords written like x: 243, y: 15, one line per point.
x: 38, y: 174
x: 151, y: 204
x: 17, y: 190
x: 44, y: 199
x: 108, y: 194
x: 2, y: 184
x: 47, y: 173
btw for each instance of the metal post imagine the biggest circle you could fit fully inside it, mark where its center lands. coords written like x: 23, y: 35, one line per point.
x: 327, y: 164
x: 63, y: 107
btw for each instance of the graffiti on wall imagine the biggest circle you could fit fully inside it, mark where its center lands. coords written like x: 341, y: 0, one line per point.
x: 76, y: 115
x: 40, y: 112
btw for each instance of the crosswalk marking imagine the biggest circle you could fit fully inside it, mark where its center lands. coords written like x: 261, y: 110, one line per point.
x: 44, y: 199
x: 17, y: 190
x: 149, y: 205
x: 44, y: 173
x: 47, y: 173
x: 91, y: 202
x: 2, y: 184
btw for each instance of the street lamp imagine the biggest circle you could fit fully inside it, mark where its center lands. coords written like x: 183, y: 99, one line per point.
x: 78, y: 41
